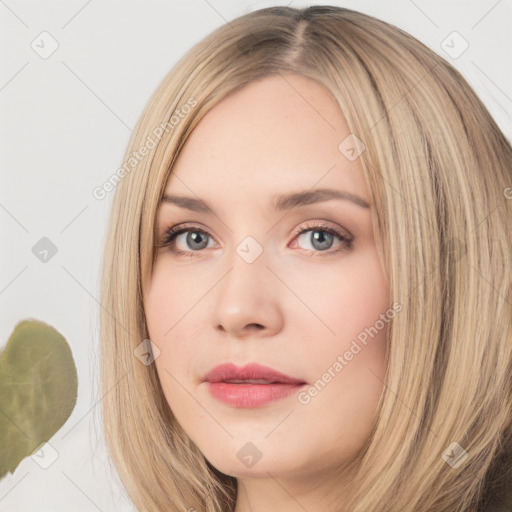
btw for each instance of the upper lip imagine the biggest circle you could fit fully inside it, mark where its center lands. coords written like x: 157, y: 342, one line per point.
x: 229, y: 371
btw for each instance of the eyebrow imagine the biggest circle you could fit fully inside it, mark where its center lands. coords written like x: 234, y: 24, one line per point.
x: 280, y: 203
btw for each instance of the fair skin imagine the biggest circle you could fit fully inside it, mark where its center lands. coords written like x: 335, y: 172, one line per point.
x: 296, y: 308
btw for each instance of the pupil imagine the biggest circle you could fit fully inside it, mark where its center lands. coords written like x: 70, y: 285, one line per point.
x: 321, y: 238
x: 194, y: 237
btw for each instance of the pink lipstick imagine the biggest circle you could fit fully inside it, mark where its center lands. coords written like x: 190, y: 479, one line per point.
x: 250, y: 386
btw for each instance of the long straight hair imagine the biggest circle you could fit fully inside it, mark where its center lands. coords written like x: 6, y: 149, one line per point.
x: 439, y: 172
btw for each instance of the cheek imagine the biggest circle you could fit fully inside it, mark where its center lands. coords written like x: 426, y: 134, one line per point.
x: 172, y: 308
x: 169, y: 299
x: 366, y: 289
x: 346, y: 304
x: 344, y: 298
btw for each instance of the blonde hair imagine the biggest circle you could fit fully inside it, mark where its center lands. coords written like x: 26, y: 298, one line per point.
x: 439, y: 171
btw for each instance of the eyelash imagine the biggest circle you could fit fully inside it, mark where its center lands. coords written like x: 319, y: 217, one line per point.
x: 171, y: 234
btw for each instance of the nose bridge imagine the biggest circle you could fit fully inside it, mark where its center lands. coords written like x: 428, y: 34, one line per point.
x: 247, y: 272
x: 244, y: 296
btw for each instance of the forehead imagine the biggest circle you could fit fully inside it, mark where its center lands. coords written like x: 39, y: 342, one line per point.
x: 277, y: 134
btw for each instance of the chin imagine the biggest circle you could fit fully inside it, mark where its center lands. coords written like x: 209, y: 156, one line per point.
x: 237, y: 469
x: 248, y: 461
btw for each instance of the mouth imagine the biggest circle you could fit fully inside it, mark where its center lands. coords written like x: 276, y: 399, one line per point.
x: 250, y: 386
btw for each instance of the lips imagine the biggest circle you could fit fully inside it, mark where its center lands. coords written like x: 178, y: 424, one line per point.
x: 252, y: 373
x: 250, y: 386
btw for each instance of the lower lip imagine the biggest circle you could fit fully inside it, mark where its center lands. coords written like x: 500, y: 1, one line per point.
x: 250, y: 395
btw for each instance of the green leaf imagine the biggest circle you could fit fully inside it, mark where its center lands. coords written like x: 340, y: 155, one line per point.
x: 38, y: 389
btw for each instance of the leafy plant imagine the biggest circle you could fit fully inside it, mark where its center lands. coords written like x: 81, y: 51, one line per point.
x: 38, y: 390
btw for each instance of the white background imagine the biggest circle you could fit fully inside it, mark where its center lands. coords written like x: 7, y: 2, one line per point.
x: 65, y: 123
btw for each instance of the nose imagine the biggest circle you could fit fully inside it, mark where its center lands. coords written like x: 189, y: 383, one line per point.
x: 247, y: 299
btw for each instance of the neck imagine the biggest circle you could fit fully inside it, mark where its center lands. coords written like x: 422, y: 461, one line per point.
x: 278, y: 493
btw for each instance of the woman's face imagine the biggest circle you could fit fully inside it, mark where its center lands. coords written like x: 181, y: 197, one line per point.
x: 248, y: 288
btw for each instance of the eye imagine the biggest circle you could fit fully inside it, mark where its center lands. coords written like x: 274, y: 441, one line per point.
x: 322, y: 236
x: 196, y: 239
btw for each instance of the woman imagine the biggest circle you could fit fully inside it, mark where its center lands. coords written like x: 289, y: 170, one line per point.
x: 306, y: 285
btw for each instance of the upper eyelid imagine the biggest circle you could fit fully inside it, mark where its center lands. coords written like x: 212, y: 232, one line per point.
x: 186, y: 227
x: 178, y: 229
